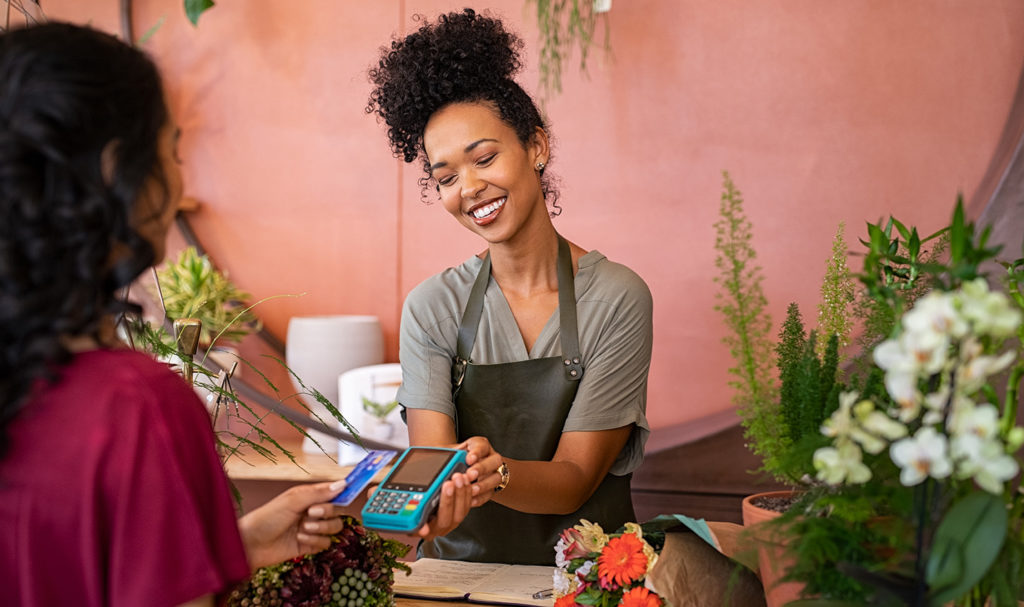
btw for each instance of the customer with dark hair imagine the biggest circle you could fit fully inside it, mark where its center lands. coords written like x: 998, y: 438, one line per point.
x: 111, y: 491
x: 534, y: 354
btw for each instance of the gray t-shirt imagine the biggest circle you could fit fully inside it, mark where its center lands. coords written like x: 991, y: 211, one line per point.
x: 614, y: 310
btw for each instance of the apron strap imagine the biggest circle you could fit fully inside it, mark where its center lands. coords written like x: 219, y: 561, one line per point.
x: 568, y: 332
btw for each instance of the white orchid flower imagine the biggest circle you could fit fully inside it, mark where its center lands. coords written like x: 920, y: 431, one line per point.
x: 984, y: 460
x: 880, y: 425
x: 973, y: 374
x: 903, y: 390
x: 989, y: 312
x: 935, y: 313
x: 923, y: 455
x: 901, y: 375
x: 840, y: 422
x: 928, y: 351
x: 981, y: 421
x: 842, y: 464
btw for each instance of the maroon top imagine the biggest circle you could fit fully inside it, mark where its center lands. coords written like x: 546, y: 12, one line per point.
x: 111, y: 492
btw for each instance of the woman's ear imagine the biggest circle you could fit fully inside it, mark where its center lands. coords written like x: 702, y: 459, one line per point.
x: 108, y: 161
x: 539, y: 146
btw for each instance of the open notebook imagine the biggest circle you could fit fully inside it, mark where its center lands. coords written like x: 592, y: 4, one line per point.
x: 477, y: 582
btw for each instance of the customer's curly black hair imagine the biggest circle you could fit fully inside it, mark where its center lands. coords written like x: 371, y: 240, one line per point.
x: 67, y: 94
x: 463, y: 57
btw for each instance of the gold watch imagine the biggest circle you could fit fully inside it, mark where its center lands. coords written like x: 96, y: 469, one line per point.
x: 503, y: 471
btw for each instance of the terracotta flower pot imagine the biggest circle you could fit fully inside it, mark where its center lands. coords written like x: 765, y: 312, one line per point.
x: 772, y: 560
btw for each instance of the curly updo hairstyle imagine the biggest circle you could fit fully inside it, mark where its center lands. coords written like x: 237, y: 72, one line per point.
x: 67, y: 93
x: 462, y: 58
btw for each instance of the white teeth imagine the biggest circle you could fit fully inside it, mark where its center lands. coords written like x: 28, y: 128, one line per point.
x: 486, y: 210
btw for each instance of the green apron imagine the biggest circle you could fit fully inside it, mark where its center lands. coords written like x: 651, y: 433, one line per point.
x: 521, y: 408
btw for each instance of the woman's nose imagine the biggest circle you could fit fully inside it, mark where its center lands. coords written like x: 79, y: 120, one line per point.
x: 472, y: 185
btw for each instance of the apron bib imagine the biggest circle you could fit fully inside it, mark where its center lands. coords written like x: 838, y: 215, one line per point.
x: 521, y: 408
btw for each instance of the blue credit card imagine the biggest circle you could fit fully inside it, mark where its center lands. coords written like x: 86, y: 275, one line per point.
x: 362, y: 474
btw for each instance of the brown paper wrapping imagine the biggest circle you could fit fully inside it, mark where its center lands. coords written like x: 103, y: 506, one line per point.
x: 691, y: 573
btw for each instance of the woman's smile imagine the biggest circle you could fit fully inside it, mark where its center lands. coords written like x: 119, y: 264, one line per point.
x: 487, y: 211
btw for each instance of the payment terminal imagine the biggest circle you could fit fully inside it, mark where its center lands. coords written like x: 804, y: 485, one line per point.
x: 411, y: 491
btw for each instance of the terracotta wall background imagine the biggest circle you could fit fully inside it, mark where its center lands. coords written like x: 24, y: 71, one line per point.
x: 823, y: 111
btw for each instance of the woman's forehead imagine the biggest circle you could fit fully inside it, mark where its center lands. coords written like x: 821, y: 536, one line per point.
x: 457, y: 125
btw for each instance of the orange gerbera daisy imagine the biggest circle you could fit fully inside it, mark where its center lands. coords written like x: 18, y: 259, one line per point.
x: 640, y: 597
x: 622, y: 561
x: 566, y: 601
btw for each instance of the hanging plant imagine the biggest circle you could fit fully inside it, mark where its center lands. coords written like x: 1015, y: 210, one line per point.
x: 563, y: 25
x: 195, y: 8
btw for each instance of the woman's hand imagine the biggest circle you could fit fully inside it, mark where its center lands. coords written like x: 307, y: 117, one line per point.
x: 465, y: 490
x: 299, y: 521
x: 483, y: 462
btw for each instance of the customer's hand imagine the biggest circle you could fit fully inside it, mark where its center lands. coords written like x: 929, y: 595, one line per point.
x: 299, y: 521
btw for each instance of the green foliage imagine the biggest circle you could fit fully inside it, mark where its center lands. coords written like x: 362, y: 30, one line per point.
x: 563, y: 24
x: 742, y: 303
x: 194, y: 9
x: 837, y: 295
x: 192, y: 288
x: 966, y: 544
x: 877, y: 310
x: 808, y: 393
x: 379, y: 410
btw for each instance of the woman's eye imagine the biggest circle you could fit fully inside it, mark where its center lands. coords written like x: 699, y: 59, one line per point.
x: 446, y: 180
x: 486, y: 160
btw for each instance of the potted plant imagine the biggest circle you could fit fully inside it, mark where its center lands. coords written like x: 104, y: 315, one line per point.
x: 783, y: 389
x: 199, y: 298
x: 191, y: 287
x: 783, y: 408
x: 917, y: 501
x: 912, y: 496
x: 380, y: 427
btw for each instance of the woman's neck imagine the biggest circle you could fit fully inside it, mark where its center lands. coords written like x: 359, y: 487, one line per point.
x: 527, y: 265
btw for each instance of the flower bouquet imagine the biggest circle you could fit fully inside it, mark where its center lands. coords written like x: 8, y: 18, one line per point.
x: 356, y: 571
x: 595, y: 568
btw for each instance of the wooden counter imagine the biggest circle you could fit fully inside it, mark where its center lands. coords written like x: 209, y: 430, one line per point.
x: 307, y: 468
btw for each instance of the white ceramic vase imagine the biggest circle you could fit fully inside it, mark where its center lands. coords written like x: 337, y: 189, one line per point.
x: 319, y: 349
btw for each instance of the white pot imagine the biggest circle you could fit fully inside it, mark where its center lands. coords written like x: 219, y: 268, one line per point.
x: 378, y: 383
x: 320, y: 348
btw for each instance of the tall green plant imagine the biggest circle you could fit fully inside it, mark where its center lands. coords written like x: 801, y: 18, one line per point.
x: 835, y: 311
x: 808, y: 392
x: 742, y: 302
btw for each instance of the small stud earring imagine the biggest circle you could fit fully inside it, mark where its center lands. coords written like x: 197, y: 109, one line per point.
x: 540, y: 166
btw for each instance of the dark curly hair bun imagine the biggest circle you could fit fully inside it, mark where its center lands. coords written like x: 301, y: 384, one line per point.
x: 462, y: 57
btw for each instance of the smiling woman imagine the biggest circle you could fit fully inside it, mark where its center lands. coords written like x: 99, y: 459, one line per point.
x: 533, y: 355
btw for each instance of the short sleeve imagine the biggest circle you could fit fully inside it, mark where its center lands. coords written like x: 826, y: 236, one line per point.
x: 426, y: 348
x: 617, y: 357
x: 170, y: 515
